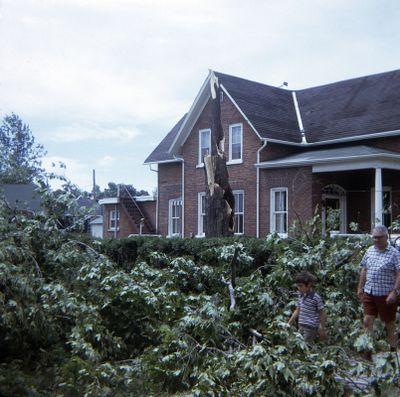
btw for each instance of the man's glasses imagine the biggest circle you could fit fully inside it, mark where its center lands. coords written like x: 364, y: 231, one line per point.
x: 378, y: 237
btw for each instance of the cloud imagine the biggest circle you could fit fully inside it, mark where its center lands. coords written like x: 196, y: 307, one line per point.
x: 106, y: 161
x: 94, y: 132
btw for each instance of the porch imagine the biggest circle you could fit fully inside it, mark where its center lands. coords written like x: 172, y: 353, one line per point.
x: 360, y: 184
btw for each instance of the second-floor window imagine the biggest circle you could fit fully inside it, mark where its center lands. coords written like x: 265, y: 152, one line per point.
x: 239, y: 211
x: 279, y: 210
x: 235, y: 142
x: 114, y: 220
x: 204, y: 144
x: 175, y: 218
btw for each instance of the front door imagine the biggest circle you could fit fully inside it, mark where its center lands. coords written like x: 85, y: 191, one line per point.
x: 334, y: 209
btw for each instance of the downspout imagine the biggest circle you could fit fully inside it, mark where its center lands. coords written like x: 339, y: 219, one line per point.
x: 183, y: 193
x: 157, y: 199
x: 258, y: 190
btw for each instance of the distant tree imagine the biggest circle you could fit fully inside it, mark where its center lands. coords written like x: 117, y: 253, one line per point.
x: 20, y: 155
x: 112, y: 191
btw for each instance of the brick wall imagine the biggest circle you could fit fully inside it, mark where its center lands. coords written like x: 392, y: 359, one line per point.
x: 298, y: 181
x: 126, y: 225
x: 241, y: 176
x: 169, y: 187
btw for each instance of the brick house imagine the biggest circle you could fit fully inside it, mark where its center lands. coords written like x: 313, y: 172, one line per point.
x: 336, y: 146
x: 126, y: 215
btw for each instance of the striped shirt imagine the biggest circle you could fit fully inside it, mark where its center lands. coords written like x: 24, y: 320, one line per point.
x: 310, y: 305
x: 381, y: 270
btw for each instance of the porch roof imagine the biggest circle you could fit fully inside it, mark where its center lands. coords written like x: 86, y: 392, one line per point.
x: 338, y: 159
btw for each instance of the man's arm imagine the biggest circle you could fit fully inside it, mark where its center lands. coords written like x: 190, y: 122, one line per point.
x: 392, y: 297
x: 361, y: 282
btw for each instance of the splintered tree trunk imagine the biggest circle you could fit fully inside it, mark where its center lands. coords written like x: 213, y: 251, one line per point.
x: 220, y: 202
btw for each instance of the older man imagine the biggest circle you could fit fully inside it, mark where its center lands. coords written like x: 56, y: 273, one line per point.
x: 379, y: 284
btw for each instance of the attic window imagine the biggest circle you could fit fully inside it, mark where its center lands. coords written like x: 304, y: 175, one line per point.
x: 221, y: 96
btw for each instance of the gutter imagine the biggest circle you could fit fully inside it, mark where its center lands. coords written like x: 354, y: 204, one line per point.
x: 265, y: 142
x: 158, y: 197
x: 325, y: 160
x: 183, y: 193
x: 339, y: 140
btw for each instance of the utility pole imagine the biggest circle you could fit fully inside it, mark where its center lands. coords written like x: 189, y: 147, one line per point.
x: 94, y: 185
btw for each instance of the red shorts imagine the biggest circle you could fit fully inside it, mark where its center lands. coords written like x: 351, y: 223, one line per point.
x: 374, y: 305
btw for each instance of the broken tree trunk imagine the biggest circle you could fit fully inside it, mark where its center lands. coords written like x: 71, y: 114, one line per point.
x: 220, y: 202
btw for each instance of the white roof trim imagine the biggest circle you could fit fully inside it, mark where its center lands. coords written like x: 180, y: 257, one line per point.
x: 351, y: 162
x: 174, y: 160
x: 197, y: 107
x: 296, y: 106
x: 109, y: 200
x: 193, y: 114
x: 339, y: 140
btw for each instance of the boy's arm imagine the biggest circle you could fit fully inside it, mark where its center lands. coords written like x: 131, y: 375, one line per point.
x: 322, y: 321
x: 294, y: 316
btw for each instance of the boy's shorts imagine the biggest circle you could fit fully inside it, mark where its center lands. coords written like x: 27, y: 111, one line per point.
x: 376, y: 305
x: 309, y: 333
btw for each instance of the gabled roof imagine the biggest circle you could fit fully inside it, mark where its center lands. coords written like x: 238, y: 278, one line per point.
x: 347, y: 109
x: 161, y: 153
x: 355, y: 109
x: 269, y: 109
x: 21, y: 197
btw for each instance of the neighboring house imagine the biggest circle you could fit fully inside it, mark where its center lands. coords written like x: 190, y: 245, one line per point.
x: 126, y: 215
x: 336, y: 146
x: 21, y: 197
x: 96, y: 226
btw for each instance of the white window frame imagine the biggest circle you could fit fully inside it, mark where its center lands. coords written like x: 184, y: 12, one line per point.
x: 237, y: 213
x: 240, y: 159
x: 200, y: 214
x: 113, y: 222
x: 200, y: 162
x: 274, y: 212
x: 171, y: 232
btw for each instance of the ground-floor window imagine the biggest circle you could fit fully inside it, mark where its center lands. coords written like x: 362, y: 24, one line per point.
x: 279, y: 210
x: 201, y: 213
x: 175, y: 217
x: 239, y: 211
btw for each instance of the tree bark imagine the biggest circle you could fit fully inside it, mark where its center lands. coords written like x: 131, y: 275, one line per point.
x: 220, y: 202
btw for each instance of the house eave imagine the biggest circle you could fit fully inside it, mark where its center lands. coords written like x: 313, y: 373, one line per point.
x: 175, y: 160
x: 383, y: 134
x: 331, y: 164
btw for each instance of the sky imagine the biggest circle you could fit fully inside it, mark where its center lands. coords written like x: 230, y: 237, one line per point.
x: 101, y: 82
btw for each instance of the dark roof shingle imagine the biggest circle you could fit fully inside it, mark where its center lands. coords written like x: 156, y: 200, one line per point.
x: 356, y: 107
x: 160, y: 153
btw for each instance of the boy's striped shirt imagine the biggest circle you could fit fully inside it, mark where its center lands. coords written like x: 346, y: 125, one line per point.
x: 310, y: 305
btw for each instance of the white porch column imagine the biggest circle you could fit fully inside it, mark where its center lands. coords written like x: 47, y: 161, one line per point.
x: 378, y: 197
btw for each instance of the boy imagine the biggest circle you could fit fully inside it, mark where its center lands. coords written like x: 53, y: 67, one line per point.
x: 310, y: 311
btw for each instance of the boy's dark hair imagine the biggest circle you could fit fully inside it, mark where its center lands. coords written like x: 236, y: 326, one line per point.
x: 305, y: 278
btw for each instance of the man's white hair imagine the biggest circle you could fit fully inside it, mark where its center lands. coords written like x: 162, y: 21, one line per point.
x: 382, y: 229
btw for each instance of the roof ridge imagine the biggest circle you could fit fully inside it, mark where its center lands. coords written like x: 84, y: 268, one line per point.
x: 348, y: 80
x: 251, y: 81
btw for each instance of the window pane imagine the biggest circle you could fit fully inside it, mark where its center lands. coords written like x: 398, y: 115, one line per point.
x: 204, y: 144
x: 280, y: 201
x: 238, y: 202
x: 280, y: 225
x: 236, y: 135
x: 238, y: 223
x: 236, y: 142
x: 236, y: 151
